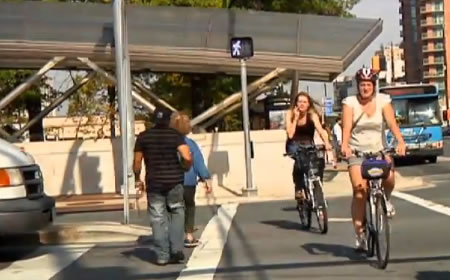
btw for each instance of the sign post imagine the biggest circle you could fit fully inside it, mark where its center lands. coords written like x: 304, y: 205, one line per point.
x: 242, y: 48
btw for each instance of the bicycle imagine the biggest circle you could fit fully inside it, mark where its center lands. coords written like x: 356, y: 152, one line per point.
x: 306, y: 159
x: 374, y: 170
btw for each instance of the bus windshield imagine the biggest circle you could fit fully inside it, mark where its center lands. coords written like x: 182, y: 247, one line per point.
x: 415, y: 112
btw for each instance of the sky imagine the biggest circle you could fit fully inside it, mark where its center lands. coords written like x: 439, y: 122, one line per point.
x: 388, y: 11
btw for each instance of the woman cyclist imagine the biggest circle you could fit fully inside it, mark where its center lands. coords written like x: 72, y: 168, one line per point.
x: 363, y: 118
x: 302, y: 120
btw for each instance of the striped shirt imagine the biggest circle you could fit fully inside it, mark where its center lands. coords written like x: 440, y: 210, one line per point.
x: 162, y: 165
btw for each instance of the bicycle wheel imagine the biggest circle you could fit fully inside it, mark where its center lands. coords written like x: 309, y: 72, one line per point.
x: 382, y: 232
x: 371, y: 234
x: 304, y: 212
x: 321, y: 208
x: 371, y: 240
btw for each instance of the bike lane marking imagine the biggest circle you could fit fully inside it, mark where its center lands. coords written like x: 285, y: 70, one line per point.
x: 436, y: 207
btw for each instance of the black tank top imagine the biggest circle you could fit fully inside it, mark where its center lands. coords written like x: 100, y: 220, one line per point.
x: 304, y: 134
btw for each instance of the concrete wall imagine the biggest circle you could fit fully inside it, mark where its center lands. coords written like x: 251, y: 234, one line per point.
x: 87, y: 167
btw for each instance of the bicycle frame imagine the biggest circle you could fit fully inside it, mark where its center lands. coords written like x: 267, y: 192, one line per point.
x: 310, y: 177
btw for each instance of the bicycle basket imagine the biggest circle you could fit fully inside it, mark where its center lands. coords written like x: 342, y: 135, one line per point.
x: 375, y: 169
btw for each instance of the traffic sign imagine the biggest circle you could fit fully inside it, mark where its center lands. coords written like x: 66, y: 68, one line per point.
x: 241, y: 47
x: 328, y: 104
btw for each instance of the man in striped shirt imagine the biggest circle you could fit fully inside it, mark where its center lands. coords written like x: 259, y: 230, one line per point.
x: 162, y: 149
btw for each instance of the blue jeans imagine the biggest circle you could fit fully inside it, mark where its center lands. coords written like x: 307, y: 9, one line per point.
x: 166, y: 209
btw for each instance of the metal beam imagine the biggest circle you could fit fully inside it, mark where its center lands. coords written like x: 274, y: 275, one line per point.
x: 146, y: 90
x: 29, y: 82
x: 236, y: 106
x: 236, y: 97
x: 58, y: 101
x: 144, y: 102
x: 5, y: 134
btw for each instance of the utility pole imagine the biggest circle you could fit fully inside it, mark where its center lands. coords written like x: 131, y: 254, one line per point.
x: 392, y: 64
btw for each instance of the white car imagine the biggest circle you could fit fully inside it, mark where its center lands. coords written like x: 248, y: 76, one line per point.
x: 24, y: 207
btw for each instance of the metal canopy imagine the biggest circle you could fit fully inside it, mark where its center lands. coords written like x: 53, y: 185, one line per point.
x: 181, y: 39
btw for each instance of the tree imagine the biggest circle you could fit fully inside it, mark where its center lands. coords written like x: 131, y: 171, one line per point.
x: 92, y: 99
x: 27, y: 105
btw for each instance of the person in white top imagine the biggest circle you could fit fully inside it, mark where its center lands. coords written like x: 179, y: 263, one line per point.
x: 337, y: 131
x: 363, y: 118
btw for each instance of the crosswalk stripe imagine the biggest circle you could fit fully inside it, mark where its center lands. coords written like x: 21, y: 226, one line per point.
x: 48, y: 261
x: 205, y: 258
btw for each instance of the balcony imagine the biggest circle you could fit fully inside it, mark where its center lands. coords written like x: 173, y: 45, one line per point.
x: 432, y: 9
x: 436, y: 48
x: 429, y: 23
x: 435, y: 61
x: 435, y: 74
x: 432, y: 36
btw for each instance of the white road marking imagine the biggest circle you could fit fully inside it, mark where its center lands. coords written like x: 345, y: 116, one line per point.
x: 443, y: 158
x: 339, y: 220
x: 436, y: 207
x: 206, y: 257
x: 48, y: 262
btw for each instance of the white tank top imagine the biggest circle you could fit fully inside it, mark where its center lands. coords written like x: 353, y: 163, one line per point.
x: 368, y: 135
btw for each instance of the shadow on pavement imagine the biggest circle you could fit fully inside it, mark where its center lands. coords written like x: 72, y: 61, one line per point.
x: 143, y: 253
x: 433, y: 275
x: 329, y: 175
x: 337, y: 250
x: 301, y: 265
x: 13, y: 249
x: 289, y: 225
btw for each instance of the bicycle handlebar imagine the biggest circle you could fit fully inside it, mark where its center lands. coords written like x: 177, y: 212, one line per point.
x: 301, y: 148
x: 382, y: 153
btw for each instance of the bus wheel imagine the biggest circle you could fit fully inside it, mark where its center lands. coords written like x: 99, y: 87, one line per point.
x: 432, y: 159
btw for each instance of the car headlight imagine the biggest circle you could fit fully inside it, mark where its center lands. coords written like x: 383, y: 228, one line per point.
x: 10, y: 177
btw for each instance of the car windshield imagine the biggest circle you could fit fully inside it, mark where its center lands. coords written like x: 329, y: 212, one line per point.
x: 419, y: 111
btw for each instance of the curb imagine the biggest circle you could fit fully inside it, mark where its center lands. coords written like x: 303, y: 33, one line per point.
x: 66, y: 233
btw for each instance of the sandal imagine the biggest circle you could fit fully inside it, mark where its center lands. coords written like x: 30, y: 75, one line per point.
x: 191, y: 243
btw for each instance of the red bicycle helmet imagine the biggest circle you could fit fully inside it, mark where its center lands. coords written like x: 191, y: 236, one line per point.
x: 366, y: 74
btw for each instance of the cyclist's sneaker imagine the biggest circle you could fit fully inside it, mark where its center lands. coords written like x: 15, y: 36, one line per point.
x: 361, y: 243
x: 390, y: 209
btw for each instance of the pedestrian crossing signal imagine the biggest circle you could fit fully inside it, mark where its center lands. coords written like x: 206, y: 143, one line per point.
x: 241, y: 47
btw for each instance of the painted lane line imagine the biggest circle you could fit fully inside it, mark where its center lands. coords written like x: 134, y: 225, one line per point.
x: 206, y: 257
x: 436, y: 207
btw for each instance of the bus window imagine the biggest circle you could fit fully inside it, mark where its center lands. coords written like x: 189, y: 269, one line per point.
x: 424, y: 112
x: 401, y: 111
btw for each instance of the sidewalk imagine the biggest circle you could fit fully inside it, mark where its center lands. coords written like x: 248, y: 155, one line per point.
x: 336, y: 183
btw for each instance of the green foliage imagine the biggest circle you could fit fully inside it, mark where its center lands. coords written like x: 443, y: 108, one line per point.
x: 90, y: 99
x: 9, y: 80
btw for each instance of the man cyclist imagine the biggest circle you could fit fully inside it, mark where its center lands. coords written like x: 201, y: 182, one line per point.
x: 302, y: 120
x: 363, y: 118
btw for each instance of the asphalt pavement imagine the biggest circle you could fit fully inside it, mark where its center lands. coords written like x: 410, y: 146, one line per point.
x: 264, y: 241
x: 260, y: 240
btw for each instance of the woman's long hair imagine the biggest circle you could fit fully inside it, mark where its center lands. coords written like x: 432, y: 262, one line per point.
x: 311, y: 110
